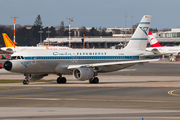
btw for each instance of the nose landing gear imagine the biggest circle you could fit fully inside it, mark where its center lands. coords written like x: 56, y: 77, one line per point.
x: 27, y: 77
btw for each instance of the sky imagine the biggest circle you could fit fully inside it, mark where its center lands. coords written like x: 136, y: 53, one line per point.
x: 91, y: 13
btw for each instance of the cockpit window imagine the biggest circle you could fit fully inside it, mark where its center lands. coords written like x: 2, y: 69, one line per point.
x: 16, y: 57
x: 13, y: 57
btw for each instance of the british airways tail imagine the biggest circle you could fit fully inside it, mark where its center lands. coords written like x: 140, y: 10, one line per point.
x: 139, y: 39
x: 153, y: 41
x: 8, y: 42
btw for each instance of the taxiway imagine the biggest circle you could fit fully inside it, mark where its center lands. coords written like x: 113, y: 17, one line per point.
x: 131, y: 94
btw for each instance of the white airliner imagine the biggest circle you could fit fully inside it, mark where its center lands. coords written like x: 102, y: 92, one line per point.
x: 156, y: 47
x: 84, y: 64
x: 11, y: 47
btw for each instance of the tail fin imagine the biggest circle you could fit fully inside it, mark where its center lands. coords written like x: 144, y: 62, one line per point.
x: 139, y: 39
x: 8, y: 41
x: 153, y: 41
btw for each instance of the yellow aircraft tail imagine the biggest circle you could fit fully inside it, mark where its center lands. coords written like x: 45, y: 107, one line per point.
x: 8, y: 42
x: 46, y: 47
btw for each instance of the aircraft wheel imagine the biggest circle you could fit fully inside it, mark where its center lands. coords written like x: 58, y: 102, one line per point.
x: 61, y: 80
x: 94, y: 80
x: 25, y: 82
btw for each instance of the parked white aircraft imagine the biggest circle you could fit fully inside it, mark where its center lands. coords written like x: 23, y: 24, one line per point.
x: 11, y: 47
x: 156, y: 47
x: 84, y: 64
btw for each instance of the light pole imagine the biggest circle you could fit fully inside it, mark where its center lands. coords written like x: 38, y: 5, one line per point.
x: 40, y: 32
x: 48, y: 34
x: 14, y: 29
x: 125, y: 28
x: 132, y: 22
x: 70, y: 19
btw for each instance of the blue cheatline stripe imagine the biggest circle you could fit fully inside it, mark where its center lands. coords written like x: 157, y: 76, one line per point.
x: 138, y: 38
x: 144, y: 23
x: 80, y: 57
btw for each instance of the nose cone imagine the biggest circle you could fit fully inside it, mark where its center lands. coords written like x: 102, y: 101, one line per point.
x: 7, y: 65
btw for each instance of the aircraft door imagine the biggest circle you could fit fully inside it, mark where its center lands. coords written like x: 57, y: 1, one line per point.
x: 33, y: 58
x: 74, y: 58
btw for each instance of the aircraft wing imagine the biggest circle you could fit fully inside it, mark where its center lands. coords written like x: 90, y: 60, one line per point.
x: 157, y: 53
x: 153, y: 55
x: 111, y: 63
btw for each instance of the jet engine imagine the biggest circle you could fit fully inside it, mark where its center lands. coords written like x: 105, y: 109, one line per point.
x: 83, y: 73
x: 9, y: 50
x: 35, y: 76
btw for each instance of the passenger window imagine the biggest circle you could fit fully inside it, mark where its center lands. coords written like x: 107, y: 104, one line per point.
x: 22, y: 57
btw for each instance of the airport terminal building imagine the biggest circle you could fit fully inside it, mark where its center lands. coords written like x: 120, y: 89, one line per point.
x: 167, y: 38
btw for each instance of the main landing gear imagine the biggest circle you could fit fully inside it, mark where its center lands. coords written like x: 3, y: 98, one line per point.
x: 61, y: 80
x: 26, y: 81
x: 94, y: 80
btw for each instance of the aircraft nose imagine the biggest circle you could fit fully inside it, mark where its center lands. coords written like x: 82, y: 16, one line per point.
x: 7, y: 65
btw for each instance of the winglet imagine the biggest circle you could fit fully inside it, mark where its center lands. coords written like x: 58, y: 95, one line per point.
x: 7, y: 41
x: 153, y: 41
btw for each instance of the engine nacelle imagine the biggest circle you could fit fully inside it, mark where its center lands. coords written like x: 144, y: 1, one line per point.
x: 36, y: 76
x: 83, y: 73
x: 9, y: 50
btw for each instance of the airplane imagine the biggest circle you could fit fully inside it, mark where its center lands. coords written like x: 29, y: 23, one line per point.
x: 156, y: 47
x: 83, y: 64
x: 11, y: 47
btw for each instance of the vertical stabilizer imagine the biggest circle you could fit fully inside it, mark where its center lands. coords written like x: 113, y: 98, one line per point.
x: 153, y: 41
x: 7, y: 41
x: 139, y: 39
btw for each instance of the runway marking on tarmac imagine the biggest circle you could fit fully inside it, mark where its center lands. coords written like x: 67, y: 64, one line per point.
x: 75, y: 99
x: 37, y: 98
x: 171, y: 92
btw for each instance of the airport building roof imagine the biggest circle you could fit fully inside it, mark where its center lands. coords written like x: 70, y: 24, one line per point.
x: 101, y: 40
x: 165, y: 38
